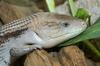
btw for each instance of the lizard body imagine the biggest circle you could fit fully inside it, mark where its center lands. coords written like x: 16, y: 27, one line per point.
x: 41, y: 30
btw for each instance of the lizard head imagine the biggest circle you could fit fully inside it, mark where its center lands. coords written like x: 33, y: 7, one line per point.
x: 56, y: 28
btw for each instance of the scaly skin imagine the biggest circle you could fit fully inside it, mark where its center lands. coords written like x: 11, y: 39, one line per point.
x: 41, y: 30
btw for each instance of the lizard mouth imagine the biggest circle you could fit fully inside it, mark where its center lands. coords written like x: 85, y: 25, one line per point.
x: 57, y: 35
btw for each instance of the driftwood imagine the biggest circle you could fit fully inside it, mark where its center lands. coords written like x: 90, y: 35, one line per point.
x: 66, y: 56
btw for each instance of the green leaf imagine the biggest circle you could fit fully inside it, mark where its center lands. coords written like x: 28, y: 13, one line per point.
x: 51, y: 5
x: 82, y: 14
x: 73, y: 7
x: 90, y: 33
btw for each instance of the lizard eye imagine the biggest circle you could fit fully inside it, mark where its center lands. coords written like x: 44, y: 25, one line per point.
x: 65, y: 24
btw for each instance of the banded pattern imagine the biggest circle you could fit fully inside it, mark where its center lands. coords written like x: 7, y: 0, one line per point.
x: 14, y: 29
x: 15, y: 25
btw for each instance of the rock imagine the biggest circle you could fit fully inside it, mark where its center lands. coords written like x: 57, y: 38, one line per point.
x: 76, y: 56
x: 55, y: 59
x: 38, y: 58
x: 67, y: 56
x: 65, y: 59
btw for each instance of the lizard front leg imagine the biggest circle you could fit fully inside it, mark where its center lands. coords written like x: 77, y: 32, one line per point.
x: 5, y: 58
x: 3, y: 62
x: 19, y: 51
